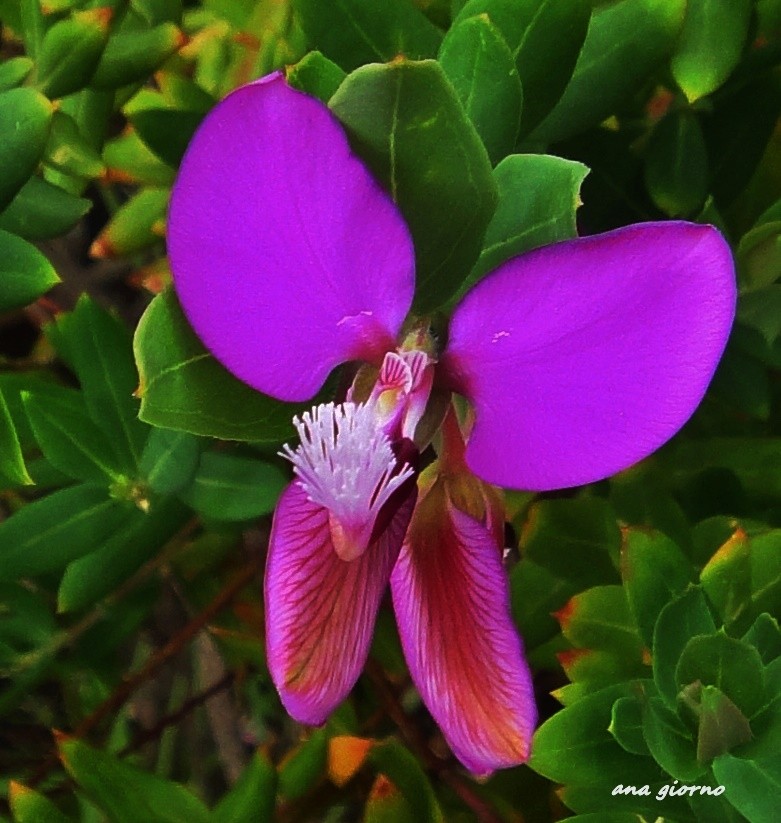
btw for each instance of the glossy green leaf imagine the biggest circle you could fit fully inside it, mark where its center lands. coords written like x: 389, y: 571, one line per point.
x: 41, y: 211
x: 131, y: 56
x: 765, y: 636
x: 12, y: 467
x: 159, y: 11
x: 228, y: 487
x: 711, y: 41
x: 625, y: 43
x: 183, y: 387
x: 545, y: 38
x: 575, y: 746
x: 732, y: 666
x: 70, y: 439
x: 25, y: 274
x: 392, y: 759
x: 574, y: 539
x: 143, y: 534
x: 752, y: 786
x: 538, y: 198
x: 592, y: 669
x: 14, y: 71
x: 68, y: 151
x: 626, y: 725
x: 415, y: 133
x: 134, y: 226
x: 25, y: 117
x: 681, y: 619
x: 354, y: 32
x: 167, y: 132
x: 599, y: 618
x: 670, y: 742
x: 722, y: 725
x: 480, y: 66
x: 49, y: 533
x: 316, y: 75
x: 70, y: 52
x: 676, y: 165
x: 170, y: 460
x: 759, y: 256
x: 101, y: 350
x: 29, y: 806
x: 655, y: 571
x: 761, y: 310
x: 126, y: 793
x: 252, y: 797
x: 32, y: 25
x: 129, y: 159
x: 305, y: 765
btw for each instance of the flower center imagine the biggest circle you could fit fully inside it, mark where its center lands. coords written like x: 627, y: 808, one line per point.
x: 345, y: 463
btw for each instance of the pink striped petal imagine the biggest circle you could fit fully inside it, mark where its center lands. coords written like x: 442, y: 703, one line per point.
x: 451, y: 599
x: 583, y: 357
x: 288, y: 258
x: 320, y: 610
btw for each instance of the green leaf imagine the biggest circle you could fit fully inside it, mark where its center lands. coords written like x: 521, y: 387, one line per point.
x: 128, y: 794
x: 575, y: 746
x: 49, y: 533
x: 479, y: 64
x: 12, y: 467
x: 41, y: 211
x: 759, y: 256
x: 538, y: 198
x: 32, y: 26
x: 102, y: 354
x: 730, y: 665
x: 752, y: 786
x: 29, y: 806
x: 131, y: 56
x: 545, y: 38
x: 765, y: 636
x: 626, y: 725
x: 129, y: 159
x: 68, y: 151
x: 681, y: 619
x: 625, y: 43
x: 599, y: 618
x: 25, y: 274
x: 70, y: 52
x: 167, y: 132
x: 252, y: 797
x: 25, y: 116
x: 70, y: 440
x: 110, y: 562
x: 183, y: 387
x: 170, y: 460
x: 574, y: 539
x: 392, y: 759
x: 654, y: 571
x: 414, y: 133
x: 227, y: 487
x: 14, y: 71
x: 134, y: 225
x: 722, y: 725
x: 316, y: 75
x: 670, y: 742
x: 354, y: 32
x: 676, y: 165
x: 591, y: 670
x: 305, y: 765
x: 761, y: 310
x: 710, y: 44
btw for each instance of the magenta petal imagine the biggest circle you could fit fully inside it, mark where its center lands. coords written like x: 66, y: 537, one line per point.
x: 287, y: 256
x: 320, y: 610
x: 451, y: 599
x: 583, y: 357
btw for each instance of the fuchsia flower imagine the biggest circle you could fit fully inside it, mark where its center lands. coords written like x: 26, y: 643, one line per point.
x: 578, y: 360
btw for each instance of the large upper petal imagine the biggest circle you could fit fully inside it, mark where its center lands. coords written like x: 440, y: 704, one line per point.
x: 451, y: 598
x: 287, y: 256
x: 583, y: 357
x: 320, y: 610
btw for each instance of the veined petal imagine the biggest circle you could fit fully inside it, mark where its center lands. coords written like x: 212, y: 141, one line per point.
x: 583, y: 357
x: 451, y: 599
x: 284, y: 249
x: 320, y: 610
